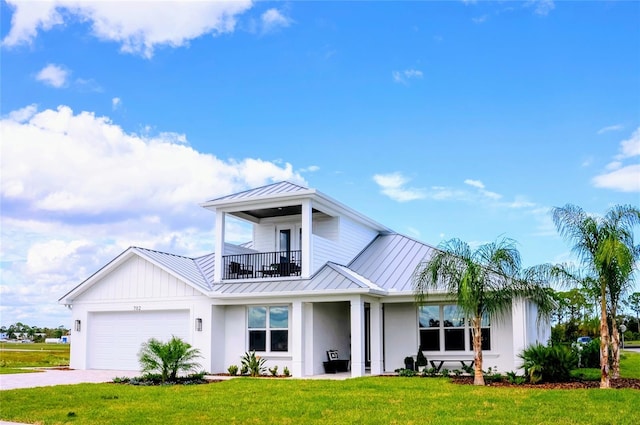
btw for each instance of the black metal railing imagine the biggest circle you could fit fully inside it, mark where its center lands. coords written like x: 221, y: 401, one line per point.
x: 262, y: 265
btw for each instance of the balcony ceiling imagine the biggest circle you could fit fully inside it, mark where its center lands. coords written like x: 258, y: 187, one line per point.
x: 276, y: 212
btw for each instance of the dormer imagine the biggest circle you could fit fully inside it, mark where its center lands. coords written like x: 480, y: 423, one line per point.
x: 296, y: 230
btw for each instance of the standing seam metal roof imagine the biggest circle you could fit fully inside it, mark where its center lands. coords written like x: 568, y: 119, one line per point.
x: 272, y: 189
x: 387, y: 264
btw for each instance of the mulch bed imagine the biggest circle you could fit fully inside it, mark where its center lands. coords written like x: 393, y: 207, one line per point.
x: 576, y: 384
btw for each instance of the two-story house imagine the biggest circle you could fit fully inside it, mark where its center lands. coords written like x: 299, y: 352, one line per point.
x: 317, y: 276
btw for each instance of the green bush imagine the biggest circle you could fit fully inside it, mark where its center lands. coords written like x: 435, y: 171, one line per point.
x: 168, y: 358
x: 253, y: 364
x: 406, y: 372
x: 548, y: 363
x: 233, y: 370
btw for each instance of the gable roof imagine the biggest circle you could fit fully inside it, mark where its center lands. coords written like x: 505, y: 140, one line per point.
x: 384, y: 267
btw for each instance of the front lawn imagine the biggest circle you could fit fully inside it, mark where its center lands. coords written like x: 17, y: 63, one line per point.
x: 376, y: 400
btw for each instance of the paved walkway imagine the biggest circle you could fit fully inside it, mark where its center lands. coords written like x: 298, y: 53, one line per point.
x: 52, y: 377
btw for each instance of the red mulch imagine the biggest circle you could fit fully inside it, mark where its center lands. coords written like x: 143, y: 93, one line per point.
x: 615, y: 383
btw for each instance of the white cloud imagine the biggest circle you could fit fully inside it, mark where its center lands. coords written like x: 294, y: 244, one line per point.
x: 273, y: 19
x: 65, y: 215
x: 406, y: 75
x: 474, y: 183
x: 111, y: 170
x: 309, y: 169
x: 616, y: 127
x: 480, y: 19
x: 53, y: 75
x: 630, y: 147
x: 139, y: 26
x: 541, y: 7
x: 116, y: 102
x: 481, y: 189
x: 393, y: 185
x: 626, y: 179
x: 621, y: 177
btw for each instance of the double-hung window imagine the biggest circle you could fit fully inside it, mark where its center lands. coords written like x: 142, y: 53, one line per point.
x: 268, y: 328
x: 444, y: 328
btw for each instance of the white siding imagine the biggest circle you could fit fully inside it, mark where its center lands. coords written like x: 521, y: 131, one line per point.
x: 138, y: 279
x: 235, y: 334
x: 264, y: 237
x: 400, y: 334
x: 353, y: 238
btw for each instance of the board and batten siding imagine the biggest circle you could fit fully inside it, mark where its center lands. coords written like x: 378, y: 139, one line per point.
x: 137, y: 278
x: 352, y: 239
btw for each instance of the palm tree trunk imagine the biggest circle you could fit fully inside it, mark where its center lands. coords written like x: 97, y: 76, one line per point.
x: 478, y: 377
x: 604, y: 339
x: 615, y: 348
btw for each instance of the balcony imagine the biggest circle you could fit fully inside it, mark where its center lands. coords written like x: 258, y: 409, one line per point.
x: 262, y: 265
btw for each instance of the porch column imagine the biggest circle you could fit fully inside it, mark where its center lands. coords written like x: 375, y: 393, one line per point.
x: 375, y: 327
x: 518, y: 332
x: 357, y: 337
x: 297, y: 339
x: 306, y: 247
x: 219, y: 245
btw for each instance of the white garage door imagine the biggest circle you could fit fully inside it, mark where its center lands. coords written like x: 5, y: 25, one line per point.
x: 114, y: 338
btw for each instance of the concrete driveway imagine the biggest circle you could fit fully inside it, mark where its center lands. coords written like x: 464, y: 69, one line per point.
x: 50, y: 377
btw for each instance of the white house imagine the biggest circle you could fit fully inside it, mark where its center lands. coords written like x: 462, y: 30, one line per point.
x: 317, y: 276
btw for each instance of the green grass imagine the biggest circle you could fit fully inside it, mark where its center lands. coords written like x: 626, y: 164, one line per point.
x: 377, y: 400
x: 629, y: 368
x: 371, y: 400
x: 15, y: 356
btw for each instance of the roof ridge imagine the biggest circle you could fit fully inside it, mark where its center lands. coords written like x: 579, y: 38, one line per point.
x: 163, y: 252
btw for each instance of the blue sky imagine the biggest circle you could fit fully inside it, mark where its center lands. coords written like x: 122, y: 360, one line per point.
x: 438, y: 119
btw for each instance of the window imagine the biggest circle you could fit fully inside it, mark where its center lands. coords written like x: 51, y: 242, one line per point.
x: 268, y: 328
x: 443, y: 328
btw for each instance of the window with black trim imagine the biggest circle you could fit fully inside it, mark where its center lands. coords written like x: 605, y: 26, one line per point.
x: 443, y: 328
x: 268, y: 328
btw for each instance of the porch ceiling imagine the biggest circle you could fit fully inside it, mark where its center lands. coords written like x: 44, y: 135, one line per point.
x: 276, y: 212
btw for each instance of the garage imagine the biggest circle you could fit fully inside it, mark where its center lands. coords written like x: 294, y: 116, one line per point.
x: 114, y: 338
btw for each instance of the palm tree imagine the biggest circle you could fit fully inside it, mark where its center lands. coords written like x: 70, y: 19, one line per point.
x: 168, y: 358
x: 604, y: 246
x: 484, y: 282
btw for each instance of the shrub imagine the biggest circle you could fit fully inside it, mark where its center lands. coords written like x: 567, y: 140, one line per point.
x: 254, y: 364
x: 274, y: 370
x: 244, y: 370
x: 513, y: 378
x: 286, y: 372
x: 548, y: 363
x: 233, y: 370
x: 168, y: 358
x: 421, y: 360
x: 406, y: 372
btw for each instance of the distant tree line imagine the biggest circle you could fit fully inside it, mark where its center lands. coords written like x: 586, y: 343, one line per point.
x: 19, y: 330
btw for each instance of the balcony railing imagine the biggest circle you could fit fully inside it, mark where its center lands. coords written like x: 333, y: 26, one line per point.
x: 262, y: 265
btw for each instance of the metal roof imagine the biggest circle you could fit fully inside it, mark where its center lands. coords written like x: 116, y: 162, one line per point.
x: 387, y: 264
x: 390, y: 261
x: 184, y: 266
x: 331, y: 277
x: 284, y: 187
